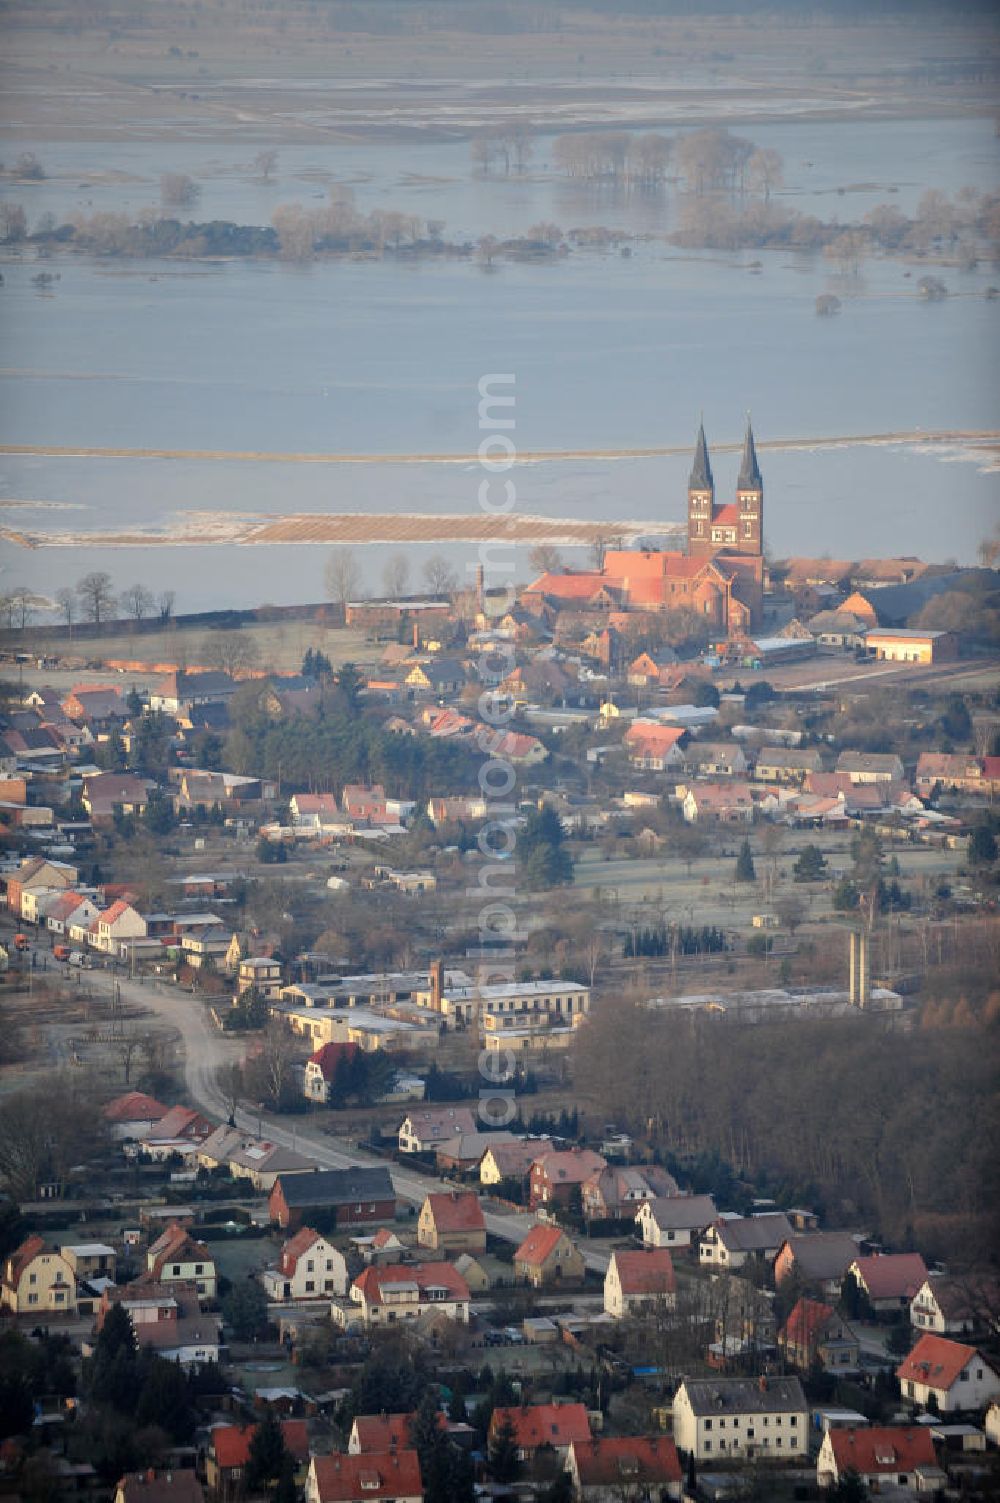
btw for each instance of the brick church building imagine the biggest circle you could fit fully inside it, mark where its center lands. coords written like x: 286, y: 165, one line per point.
x: 721, y: 576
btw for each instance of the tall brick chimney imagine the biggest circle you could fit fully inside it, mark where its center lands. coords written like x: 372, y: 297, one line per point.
x: 437, y: 984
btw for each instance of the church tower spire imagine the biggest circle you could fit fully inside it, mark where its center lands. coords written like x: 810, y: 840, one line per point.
x: 750, y: 498
x: 749, y: 477
x: 701, y: 470
x: 701, y: 499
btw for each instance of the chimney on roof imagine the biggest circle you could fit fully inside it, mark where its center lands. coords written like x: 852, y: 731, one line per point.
x: 437, y: 984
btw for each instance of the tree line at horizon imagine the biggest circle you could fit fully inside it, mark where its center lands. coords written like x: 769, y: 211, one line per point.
x: 727, y: 204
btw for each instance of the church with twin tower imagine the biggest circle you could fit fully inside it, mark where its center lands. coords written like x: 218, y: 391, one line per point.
x: 735, y: 527
x: 720, y: 576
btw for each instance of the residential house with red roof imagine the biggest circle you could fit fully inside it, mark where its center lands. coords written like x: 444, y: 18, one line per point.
x: 730, y: 803
x: 309, y: 1268
x: 37, y: 1280
x: 624, y: 1466
x: 182, y: 1130
x: 314, y: 811
x: 366, y: 805
x: 69, y: 908
x: 558, y: 1174
x: 880, y: 1456
x: 132, y: 1115
x: 379, y: 1432
x: 538, y: 1425
x: 382, y: 1247
x: 889, y: 1281
x: 548, y: 1255
x: 393, y: 1293
x: 175, y: 1256
x: 956, y: 1376
x: 814, y: 1332
x: 321, y: 1070
x: 452, y: 1222
x: 638, y: 1279
x: 119, y: 922
x: 371, y: 1477
x: 229, y: 1453
x: 513, y: 746
x: 383, y: 1432
x: 655, y: 747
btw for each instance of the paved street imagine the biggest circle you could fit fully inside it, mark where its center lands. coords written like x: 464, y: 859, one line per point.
x: 206, y: 1050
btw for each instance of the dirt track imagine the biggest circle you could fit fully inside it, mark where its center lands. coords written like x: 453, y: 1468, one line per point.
x: 989, y: 437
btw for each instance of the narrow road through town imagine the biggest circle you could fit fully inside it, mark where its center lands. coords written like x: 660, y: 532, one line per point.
x: 206, y: 1050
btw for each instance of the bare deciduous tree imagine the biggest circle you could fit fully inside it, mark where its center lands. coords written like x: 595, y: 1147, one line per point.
x: 96, y: 596
x: 440, y: 576
x: 268, y: 1070
x: 766, y: 170
x: 137, y: 601
x: 396, y: 575
x: 544, y: 232
x: 19, y: 606
x: 265, y: 162
x: 598, y: 548
x: 486, y: 250
x: 230, y: 1082
x: 13, y: 223
x: 165, y: 604
x: 234, y: 652
x: 66, y: 601
x: 342, y: 576
x: 545, y: 559
x: 484, y: 150
x: 848, y: 251
x: 178, y: 191
x: 42, y: 1134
